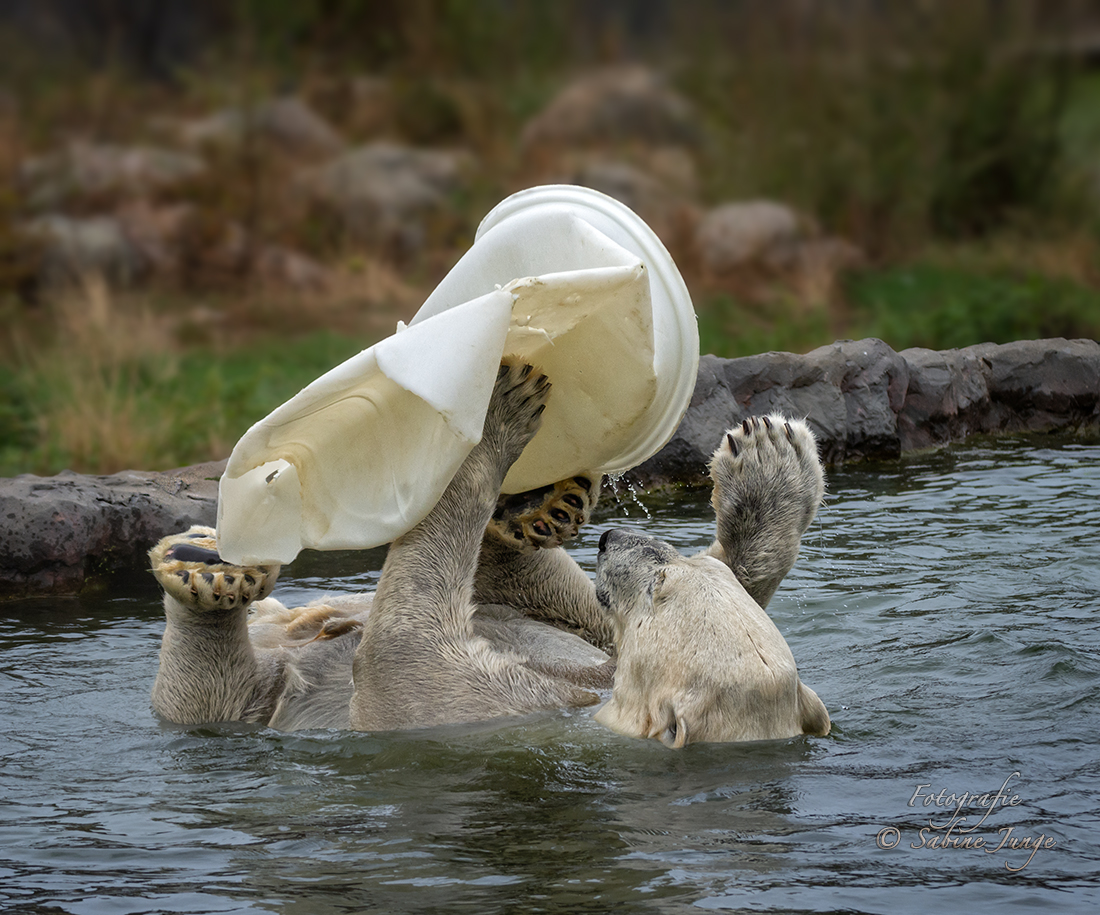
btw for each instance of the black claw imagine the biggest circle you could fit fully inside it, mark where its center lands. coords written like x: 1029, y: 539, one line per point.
x: 188, y: 552
x: 787, y: 429
x: 526, y: 370
x: 746, y: 427
x: 502, y: 371
x: 767, y: 424
x: 542, y: 407
x: 184, y: 575
x: 732, y: 443
x: 208, y: 577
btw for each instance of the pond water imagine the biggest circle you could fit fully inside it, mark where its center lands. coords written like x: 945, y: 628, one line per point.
x: 944, y: 608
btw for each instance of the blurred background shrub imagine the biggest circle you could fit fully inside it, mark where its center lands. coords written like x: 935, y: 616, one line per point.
x: 205, y: 204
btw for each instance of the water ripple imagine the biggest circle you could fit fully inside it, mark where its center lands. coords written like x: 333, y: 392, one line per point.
x: 944, y: 607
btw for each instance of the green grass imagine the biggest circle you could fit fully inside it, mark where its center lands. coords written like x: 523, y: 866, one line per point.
x: 921, y: 304
x: 943, y: 308
x: 98, y: 404
x: 150, y: 413
x: 729, y: 328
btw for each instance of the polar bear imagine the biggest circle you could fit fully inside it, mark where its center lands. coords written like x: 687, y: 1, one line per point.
x: 479, y: 612
x: 444, y: 639
x: 698, y: 657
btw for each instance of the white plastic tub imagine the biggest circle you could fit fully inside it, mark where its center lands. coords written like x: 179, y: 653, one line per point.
x: 568, y: 278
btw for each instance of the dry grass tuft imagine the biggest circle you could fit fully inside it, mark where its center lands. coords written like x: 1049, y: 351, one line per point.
x: 101, y: 357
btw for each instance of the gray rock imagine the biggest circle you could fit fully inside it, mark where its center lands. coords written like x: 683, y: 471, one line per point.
x: 57, y: 533
x: 736, y: 236
x: 753, y: 247
x: 611, y: 106
x: 83, y: 168
x: 382, y: 193
x: 863, y: 400
x: 287, y: 123
x: 947, y: 399
x: 663, y: 210
x: 73, y: 248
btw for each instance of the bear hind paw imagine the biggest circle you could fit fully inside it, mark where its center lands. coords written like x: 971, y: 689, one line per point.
x: 545, y: 517
x: 515, y: 409
x: 190, y: 570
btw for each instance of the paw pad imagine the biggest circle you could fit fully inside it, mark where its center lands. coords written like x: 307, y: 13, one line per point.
x: 545, y: 517
x: 189, y: 568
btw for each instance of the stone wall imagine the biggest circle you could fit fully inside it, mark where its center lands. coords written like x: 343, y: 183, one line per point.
x: 58, y: 533
x: 862, y: 399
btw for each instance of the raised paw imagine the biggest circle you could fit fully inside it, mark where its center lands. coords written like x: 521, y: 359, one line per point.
x: 765, y: 460
x: 545, y: 517
x: 768, y: 484
x: 190, y: 570
x: 515, y: 408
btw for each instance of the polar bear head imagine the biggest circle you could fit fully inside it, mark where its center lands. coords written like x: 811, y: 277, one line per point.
x: 698, y: 658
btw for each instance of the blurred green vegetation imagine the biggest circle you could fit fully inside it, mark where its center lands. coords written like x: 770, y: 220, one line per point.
x: 941, y: 307
x: 950, y: 140
x: 920, y: 304
x: 927, y: 121
x: 149, y: 409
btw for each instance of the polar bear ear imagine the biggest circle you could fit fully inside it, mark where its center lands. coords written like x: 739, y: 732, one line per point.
x: 666, y: 585
x: 675, y: 734
x: 657, y: 585
x: 815, y: 717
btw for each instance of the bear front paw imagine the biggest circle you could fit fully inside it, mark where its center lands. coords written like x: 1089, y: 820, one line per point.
x: 768, y: 484
x: 190, y: 570
x: 768, y: 460
x: 545, y: 517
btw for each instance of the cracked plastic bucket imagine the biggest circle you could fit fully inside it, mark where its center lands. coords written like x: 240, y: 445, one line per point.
x: 565, y: 277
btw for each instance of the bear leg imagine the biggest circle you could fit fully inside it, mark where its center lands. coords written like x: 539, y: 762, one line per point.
x: 768, y: 483
x: 208, y: 668
x: 419, y: 662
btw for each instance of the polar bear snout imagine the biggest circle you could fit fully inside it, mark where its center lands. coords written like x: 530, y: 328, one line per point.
x: 642, y: 545
x: 619, y: 537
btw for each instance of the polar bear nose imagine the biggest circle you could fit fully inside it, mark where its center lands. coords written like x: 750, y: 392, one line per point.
x: 615, y: 535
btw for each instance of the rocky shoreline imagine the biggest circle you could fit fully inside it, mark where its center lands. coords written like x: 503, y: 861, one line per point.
x: 862, y: 399
x: 865, y: 401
